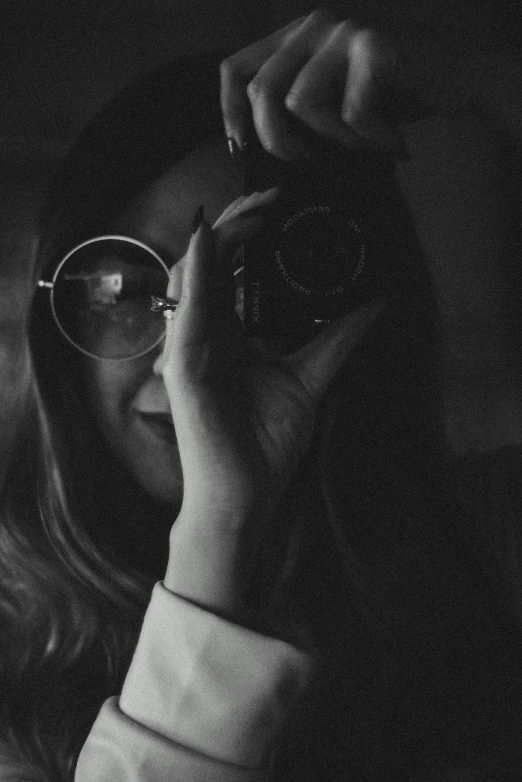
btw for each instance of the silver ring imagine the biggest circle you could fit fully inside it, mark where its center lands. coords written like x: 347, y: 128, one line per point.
x: 169, y: 314
x: 159, y: 304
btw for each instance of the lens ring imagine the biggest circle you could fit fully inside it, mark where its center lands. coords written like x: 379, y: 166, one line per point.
x: 105, y: 237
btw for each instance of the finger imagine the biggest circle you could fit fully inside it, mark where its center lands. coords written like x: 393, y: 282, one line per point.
x: 317, y: 363
x: 186, y: 342
x: 175, y: 279
x: 240, y: 222
x: 237, y: 225
x: 229, y: 232
x: 246, y: 203
x: 236, y: 72
x: 315, y: 98
x: 230, y: 237
x: 268, y: 89
x: 363, y: 105
x: 231, y: 209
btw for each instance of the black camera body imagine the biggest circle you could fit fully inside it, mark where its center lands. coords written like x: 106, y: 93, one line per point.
x: 323, y: 248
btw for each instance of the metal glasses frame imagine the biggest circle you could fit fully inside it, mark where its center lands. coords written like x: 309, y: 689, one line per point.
x: 50, y: 286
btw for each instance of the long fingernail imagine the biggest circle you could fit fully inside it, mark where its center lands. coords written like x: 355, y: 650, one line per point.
x: 198, y: 219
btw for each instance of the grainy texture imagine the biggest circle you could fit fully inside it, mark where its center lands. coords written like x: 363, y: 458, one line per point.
x: 60, y: 61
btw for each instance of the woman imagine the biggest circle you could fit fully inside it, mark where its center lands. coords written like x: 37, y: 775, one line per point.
x: 95, y: 483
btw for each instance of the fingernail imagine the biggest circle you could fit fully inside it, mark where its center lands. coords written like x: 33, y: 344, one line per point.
x: 235, y: 152
x: 264, y: 198
x: 198, y: 219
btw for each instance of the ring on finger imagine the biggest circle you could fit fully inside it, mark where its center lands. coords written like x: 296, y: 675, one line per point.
x: 159, y: 304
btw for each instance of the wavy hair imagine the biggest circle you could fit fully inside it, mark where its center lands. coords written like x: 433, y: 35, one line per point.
x: 74, y: 587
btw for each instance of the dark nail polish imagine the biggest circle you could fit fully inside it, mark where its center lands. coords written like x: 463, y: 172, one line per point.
x: 198, y: 219
x: 235, y: 152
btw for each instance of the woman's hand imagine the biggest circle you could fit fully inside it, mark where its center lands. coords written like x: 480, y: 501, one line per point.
x: 357, y: 85
x: 243, y: 419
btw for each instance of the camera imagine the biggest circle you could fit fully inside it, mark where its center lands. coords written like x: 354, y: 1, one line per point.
x: 323, y: 249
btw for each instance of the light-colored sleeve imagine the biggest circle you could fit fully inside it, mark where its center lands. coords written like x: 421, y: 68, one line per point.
x: 204, y: 701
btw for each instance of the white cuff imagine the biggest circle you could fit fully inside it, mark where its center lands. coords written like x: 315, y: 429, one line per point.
x: 119, y: 750
x: 209, y: 684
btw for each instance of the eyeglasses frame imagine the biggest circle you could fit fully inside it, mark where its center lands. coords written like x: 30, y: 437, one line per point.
x: 50, y: 286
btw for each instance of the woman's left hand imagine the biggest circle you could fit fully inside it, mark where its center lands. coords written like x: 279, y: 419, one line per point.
x: 243, y: 418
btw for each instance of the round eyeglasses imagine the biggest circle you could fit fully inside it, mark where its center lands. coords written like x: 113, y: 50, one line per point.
x: 101, y: 296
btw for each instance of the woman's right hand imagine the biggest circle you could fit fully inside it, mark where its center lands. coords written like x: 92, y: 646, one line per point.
x: 243, y: 418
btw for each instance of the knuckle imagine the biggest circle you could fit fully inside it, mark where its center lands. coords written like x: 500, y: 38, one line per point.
x: 295, y: 103
x: 271, y: 144
x: 228, y: 69
x: 351, y: 113
x: 353, y: 110
x: 368, y: 41
x: 255, y: 89
x: 232, y: 76
x: 317, y: 21
x: 290, y: 36
x: 345, y: 30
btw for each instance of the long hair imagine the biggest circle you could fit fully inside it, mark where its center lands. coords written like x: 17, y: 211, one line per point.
x: 364, y: 553
x: 75, y: 582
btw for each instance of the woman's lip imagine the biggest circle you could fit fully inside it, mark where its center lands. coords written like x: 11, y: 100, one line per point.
x: 161, y: 425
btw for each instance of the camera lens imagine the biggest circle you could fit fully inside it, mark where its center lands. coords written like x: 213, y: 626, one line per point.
x: 320, y: 249
x: 317, y: 256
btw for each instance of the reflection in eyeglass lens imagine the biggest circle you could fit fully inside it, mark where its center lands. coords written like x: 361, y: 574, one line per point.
x: 101, y: 288
x: 103, y: 302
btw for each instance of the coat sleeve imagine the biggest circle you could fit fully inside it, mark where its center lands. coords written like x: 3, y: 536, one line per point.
x: 204, y: 699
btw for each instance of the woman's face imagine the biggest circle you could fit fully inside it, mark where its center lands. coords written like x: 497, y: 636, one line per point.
x: 128, y: 399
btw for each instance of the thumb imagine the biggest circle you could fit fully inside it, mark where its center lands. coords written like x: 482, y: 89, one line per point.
x: 317, y: 363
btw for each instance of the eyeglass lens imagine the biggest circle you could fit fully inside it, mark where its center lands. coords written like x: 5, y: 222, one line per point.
x: 102, y: 297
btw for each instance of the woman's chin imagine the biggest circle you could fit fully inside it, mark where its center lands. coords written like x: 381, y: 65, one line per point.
x: 158, y: 472
x: 152, y: 457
